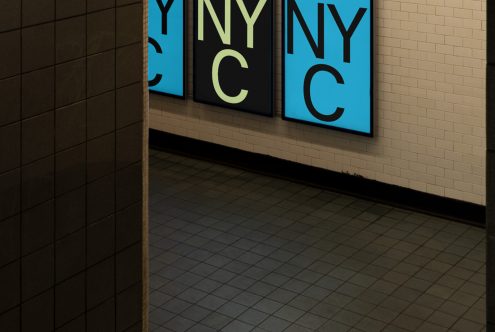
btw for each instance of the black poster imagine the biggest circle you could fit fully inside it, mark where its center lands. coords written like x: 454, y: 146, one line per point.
x: 233, y: 62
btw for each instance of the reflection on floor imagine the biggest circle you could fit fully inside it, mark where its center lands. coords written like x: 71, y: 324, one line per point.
x: 236, y: 251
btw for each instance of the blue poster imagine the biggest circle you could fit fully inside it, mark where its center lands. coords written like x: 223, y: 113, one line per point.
x: 328, y: 58
x: 166, y: 29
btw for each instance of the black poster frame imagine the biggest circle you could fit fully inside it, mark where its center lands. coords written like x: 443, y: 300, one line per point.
x: 271, y: 112
x: 185, y: 56
x: 372, y: 76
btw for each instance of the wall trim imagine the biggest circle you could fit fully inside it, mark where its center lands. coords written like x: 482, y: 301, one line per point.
x: 357, y: 186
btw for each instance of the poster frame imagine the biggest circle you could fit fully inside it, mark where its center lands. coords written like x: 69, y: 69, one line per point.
x: 372, y: 75
x: 269, y: 114
x: 184, y: 57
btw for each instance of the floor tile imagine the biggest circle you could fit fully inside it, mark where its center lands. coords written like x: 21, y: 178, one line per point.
x: 253, y: 317
x: 274, y: 324
x: 237, y: 251
x: 237, y: 326
x: 216, y: 321
x: 179, y: 324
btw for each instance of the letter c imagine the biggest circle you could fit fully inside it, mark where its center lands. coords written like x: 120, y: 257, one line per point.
x: 307, y: 92
x: 216, y: 82
x: 158, y: 49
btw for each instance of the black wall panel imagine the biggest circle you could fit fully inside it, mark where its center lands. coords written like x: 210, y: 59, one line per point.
x: 70, y: 132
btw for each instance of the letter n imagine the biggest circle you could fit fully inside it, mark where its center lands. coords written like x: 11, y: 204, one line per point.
x: 293, y: 10
x: 223, y: 32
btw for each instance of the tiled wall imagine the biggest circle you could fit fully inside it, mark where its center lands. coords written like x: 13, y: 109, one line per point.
x: 430, y: 111
x: 71, y: 116
x: 145, y: 228
x: 490, y: 213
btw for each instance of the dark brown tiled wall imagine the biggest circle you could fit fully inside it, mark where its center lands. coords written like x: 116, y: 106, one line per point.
x: 71, y: 115
x: 490, y: 167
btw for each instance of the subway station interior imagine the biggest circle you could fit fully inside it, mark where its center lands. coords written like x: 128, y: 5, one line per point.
x: 247, y: 165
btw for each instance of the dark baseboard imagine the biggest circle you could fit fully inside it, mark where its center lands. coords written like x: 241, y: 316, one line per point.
x: 340, y: 182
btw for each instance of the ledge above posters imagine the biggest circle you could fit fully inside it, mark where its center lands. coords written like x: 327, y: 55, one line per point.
x: 166, y: 51
x: 233, y: 54
x: 327, y: 63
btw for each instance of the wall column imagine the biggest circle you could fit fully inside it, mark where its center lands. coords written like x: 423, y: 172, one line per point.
x: 490, y: 167
x: 71, y: 165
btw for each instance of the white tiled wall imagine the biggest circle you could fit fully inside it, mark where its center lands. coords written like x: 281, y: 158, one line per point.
x: 430, y: 106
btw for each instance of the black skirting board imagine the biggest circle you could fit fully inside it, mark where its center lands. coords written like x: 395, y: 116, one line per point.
x: 353, y: 185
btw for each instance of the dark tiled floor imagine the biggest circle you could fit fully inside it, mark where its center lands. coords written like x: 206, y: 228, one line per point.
x: 236, y: 251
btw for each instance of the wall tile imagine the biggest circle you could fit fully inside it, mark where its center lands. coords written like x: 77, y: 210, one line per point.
x: 101, y: 156
x: 70, y: 212
x: 490, y: 35
x: 38, y: 45
x: 38, y: 182
x: 129, y: 307
x: 38, y: 94
x: 76, y: 325
x: 101, y: 240
x: 9, y: 286
x: 102, y: 317
x: 100, y: 282
x: 37, y: 137
x: 137, y: 327
x: 101, y: 73
x: 37, y: 11
x: 37, y: 227
x: 71, y: 39
x: 10, y: 147
x: 96, y: 5
x: 125, y: 2
x: 70, y: 255
x: 128, y: 267
x: 69, y: 299
x: 129, y: 226
x: 129, y: 26
x: 10, y: 237
x: 10, y: 15
x: 10, y: 193
x: 37, y: 313
x: 129, y: 67
x: 70, y: 127
x: 101, y: 31
x: 10, y: 57
x: 71, y: 169
x: 129, y: 147
x: 101, y: 115
x: 129, y: 100
x: 37, y: 272
x: 11, y: 320
x: 490, y: 107
x: 70, y: 81
x: 67, y: 8
x: 129, y: 186
x: 101, y: 198
x: 10, y: 99
x: 490, y: 195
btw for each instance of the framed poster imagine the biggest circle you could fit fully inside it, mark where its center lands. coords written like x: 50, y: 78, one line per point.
x: 233, y: 54
x: 166, y: 47
x: 328, y: 63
